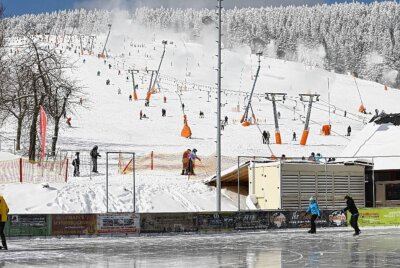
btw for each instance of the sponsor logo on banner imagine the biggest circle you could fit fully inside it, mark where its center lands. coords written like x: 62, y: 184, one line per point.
x: 118, y: 223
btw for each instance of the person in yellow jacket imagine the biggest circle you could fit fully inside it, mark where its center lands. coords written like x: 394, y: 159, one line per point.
x: 3, y: 219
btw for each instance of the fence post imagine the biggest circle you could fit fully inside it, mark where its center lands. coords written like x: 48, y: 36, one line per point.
x: 152, y: 161
x: 66, y: 171
x: 20, y: 170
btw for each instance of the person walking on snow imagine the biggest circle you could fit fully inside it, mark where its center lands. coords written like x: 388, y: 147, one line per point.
x: 94, y: 155
x: 3, y: 219
x: 294, y: 136
x: 313, y: 209
x: 192, y: 159
x: 351, y: 207
x: 76, y: 162
x: 185, y: 161
x: 140, y: 114
x: 348, y: 131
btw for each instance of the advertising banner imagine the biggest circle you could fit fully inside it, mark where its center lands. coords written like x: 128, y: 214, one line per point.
x: 251, y: 220
x: 166, y: 222
x: 328, y: 218
x: 118, y: 223
x: 214, y: 221
x: 29, y: 225
x: 74, y: 224
x: 379, y: 217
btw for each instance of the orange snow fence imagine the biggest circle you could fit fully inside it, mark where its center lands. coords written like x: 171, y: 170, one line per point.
x: 246, y: 123
x: 326, y: 130
x: 304, y: 137
x: 135, y: 96
x: 278, y: 137
x: 361, y: 109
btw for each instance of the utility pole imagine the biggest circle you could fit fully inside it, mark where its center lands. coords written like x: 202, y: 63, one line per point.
x: 133, y: 72
x: 303, y: 98
x: 274, y: 97
x: 105, y: 44
x: 218, y: 175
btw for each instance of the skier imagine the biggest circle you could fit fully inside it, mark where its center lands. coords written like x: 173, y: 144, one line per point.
x: 76, y: 162
x: 109, y: 66
x: 130, y: 97
x: 69, y: 121
x: 185, y: 161
x: 140, y: 114
x: 294, y: 136
x: 226, y: 120
x: 98, y: 73
x: 192, y: 158
x: 163, y: 112
x: 119, y: 91
x: 94, y: 155
x: 264, y: 137
x: 313, y: 209
x: 165, y: 99
x: 3, y: 219
x: 348, y: 131
x: 351, y: 206
x: 312, y: 157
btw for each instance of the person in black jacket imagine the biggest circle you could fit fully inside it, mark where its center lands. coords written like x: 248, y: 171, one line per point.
x: 76, y: 162
x: 351, y: 207
x: 94, y: 155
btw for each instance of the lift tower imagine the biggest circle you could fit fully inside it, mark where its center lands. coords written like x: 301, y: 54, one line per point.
x: 310, y: 99
x: 274, y: 97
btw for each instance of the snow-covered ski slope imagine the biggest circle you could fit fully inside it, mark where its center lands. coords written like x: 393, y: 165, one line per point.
x: 188, y: 73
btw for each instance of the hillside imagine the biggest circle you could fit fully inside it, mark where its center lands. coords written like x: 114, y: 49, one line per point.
x: 112, y: 122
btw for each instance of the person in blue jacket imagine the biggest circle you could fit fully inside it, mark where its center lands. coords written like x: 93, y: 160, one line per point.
x: 313, y: 209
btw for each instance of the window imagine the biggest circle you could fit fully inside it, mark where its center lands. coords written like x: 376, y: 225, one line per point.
x: 392, y: 191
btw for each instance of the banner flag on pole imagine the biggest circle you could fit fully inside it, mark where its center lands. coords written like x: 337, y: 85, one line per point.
x: 43, y: 126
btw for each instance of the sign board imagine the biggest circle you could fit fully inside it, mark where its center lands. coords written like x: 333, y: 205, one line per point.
x: 214, y: 221
x: 29, y: 225
x: 251, y: 220
x: 74, y: 224
x: 166, y: 222
x: 118, y: 223
x: 379, y: 217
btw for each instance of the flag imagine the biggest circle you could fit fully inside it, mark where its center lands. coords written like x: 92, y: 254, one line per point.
x: 43, y: 126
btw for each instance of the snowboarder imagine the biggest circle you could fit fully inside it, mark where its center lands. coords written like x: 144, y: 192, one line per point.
x: 348, y: 131
x: 351, y: 207
x: 76, y: 162
x: 94, y: 155
x: 3, y: 219
x: 192, y: 158
x: 185, y: 161
x: 313, y: 209
x: 294, y: 136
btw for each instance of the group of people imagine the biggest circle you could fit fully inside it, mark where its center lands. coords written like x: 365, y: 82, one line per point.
x: 94, y: 154
x: 314, y: 211
x: 188, y: 162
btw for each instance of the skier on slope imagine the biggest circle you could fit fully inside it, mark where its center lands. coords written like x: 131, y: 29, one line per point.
x: 192, y: 159
x: 94, y: 155
x: 185, y: 161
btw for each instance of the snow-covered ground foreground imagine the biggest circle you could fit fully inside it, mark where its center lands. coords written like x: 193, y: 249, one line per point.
x: 293, y: 248
x: 111, y: 121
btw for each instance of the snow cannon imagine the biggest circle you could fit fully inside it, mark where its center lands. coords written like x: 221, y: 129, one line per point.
x: 326, y: 130
x: 186, y: 131
x: 278, y: 137
x: 361, y: 109
x: 304, y: 137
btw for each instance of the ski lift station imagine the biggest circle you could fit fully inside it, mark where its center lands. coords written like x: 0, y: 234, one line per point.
x: 288, y: 184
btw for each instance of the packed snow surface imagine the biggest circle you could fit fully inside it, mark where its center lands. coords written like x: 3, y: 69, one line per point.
x: 188, y: 76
